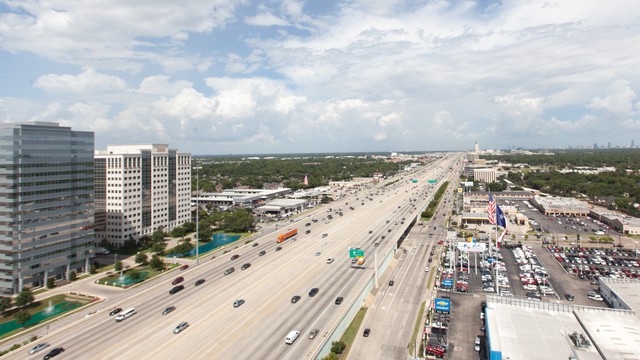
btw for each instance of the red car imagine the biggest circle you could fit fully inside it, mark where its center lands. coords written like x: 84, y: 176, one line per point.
x: 440, y: 242
x: 184, y: 267
x: 177, y: 280
x: 235, y: 257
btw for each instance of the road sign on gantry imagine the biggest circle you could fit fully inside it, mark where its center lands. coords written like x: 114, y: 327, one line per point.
x: 356, y: 253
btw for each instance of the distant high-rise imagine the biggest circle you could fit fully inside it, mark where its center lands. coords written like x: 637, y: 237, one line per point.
x: 595, y: 145
x: 632, y: 146
x: 476, y: 148
x: 609, y: 145
x: 140, y: 188
x: 46, y: 197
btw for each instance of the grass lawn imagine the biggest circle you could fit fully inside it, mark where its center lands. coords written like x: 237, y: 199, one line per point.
x: 151, y: 273
x: 417, y: 327
x: 352, y: 331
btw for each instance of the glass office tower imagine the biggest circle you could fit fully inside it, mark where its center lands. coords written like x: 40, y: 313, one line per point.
x: 46, y: 203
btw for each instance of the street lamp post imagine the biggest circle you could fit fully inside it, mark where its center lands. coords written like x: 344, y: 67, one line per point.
x: 635, y: 248
x: 197, y: 215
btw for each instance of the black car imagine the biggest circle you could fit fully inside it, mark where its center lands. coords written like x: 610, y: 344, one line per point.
x: 279, y: 248
x: 53, y: 352
x: 366, y: 332
x: 308, y: 232
x: 229, y: 271
x: 245, y: 266
x: 175, y: 289
x: 391, y: 283
x: 262, y: 253
x: 569, y: 297
x: 339, y: 300
x: 295, y: 299
x: 255, y: 244
x: 115, y: 311
x: 313, y: 292
x: 200, y: 282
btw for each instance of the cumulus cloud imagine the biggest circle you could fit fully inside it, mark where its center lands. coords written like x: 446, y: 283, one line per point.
x: 87, y: 82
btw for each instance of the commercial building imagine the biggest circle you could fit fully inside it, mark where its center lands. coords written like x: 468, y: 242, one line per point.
x: 46, y: 203
x: 484, y: 175
x: 248, y: 198
x: 623, y: 223
x: 140, y: 188
x: 564, y: 206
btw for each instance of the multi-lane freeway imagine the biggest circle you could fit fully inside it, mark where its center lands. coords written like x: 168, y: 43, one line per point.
x: 256, y: 329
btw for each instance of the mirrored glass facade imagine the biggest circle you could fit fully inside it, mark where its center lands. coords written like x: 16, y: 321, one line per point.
x: 46, y: 203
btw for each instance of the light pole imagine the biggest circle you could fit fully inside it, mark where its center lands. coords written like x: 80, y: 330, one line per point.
x: 635, y: 248
x: 197, y: 215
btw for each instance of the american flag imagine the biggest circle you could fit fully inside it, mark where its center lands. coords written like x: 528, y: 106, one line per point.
x: 492, y: 210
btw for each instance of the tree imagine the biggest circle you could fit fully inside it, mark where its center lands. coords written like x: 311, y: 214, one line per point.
x: 118, y: 266
x: 331, y: 356
x: 25, y: 298
x: 141, y: 258
x: 134, y: 274
x: 158, y: 235
x: 22, y: 317
x: 51, y: 282
x: 156, y: 262
x: 238, y: 220
x: 72, y: 275
x: 93, y: 269
x: 205, y: 234
x: 159, y: 247
x: 5, y: 303
x: 338, y: 347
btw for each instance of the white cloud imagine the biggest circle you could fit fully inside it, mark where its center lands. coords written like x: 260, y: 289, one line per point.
x: 87, y: 82
x: 161, y: 85
x: 618, y: 99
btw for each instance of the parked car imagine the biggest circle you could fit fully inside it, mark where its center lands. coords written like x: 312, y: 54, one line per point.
x: 569, y: 297
x: 366, y: 332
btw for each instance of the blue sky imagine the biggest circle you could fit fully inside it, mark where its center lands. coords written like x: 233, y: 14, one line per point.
x: 240, y: 76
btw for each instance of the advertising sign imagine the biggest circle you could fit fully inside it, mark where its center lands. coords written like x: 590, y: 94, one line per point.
x: 447, y: 282
x: 443, y: 305
x: 471, y: 246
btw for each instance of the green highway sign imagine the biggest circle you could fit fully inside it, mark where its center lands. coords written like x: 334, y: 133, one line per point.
x: 356, y: 253
x: 433, y: 181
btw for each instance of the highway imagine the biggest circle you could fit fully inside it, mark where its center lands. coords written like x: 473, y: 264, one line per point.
x: 255, y: 330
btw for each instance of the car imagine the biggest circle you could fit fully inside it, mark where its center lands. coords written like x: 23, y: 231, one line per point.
x: 238, y: 303
x: 318, y: 253
x: 440, y: 242
x: 255, y: 244
x: 569, y: 297
x: 114, y: 311
x: 313, y: 292
x: 229, y: 270
x: 293, y: 239
x: 175, y: 289
x: 54, y: 352
x: 245, y: 266
x: 295, y: 299
x: 476, y: 346
x: 279, y: 248
x: 426, y: 269
x: 330, y: 260
x: 262, y: 253
x: 391, y: 282
x: 168, y: 310
x: 200, y: 282
x: 177, y: 280
x: 184, y: 267
x: 308, y: 232
x: 38, y: 347
x: 313, y: 333
x: 183, y: 325
x: 366, y: 332
x: 339, y: 300
x: 235, y: 257
x: 370, y: 231
x: 325, y: 235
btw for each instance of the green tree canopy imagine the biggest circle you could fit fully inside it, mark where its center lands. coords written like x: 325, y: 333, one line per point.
x: 24, y: 298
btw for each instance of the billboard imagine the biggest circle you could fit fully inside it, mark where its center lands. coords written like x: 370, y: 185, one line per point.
x: 471, y: 246
x: 443, y: 305
x: 447, y: 282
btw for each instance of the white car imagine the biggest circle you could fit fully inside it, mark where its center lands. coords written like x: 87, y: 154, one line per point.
x: 330, y: 260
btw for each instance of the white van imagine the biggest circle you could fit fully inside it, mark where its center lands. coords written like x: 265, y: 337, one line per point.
x: 291, y: 337
x: 126, y: 314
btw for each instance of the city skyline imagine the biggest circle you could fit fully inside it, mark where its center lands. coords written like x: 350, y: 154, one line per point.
x: 326, y: 77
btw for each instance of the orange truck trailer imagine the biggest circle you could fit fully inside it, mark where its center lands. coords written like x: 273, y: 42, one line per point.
x: 287, y: 235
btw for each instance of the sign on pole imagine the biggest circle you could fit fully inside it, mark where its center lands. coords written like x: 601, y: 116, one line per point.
x: 356, y: 253
x: 443, y: 305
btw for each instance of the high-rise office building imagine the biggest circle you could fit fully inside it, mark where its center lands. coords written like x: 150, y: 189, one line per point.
x: 140, y: 188
x: 46, y: 203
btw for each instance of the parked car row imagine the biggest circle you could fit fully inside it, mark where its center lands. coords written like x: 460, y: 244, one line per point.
x: 591, y: 263
x: 533, y: 276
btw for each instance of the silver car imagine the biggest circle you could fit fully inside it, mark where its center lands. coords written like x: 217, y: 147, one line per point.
x: 183, y: 325
x: 38, y: 347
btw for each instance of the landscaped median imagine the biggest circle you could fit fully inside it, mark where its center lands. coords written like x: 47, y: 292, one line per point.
x: 132, y: 276
x: 349, y: 335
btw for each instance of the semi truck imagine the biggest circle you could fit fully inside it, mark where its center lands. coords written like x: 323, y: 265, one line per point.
x: 287, y: 235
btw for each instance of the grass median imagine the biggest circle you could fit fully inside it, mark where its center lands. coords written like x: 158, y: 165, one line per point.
x: 352, y: 331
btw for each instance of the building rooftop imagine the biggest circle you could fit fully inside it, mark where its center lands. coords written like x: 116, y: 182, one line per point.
x: 615, y: 333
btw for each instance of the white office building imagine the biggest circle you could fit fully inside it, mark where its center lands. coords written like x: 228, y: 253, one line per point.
x: 140, y: 188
